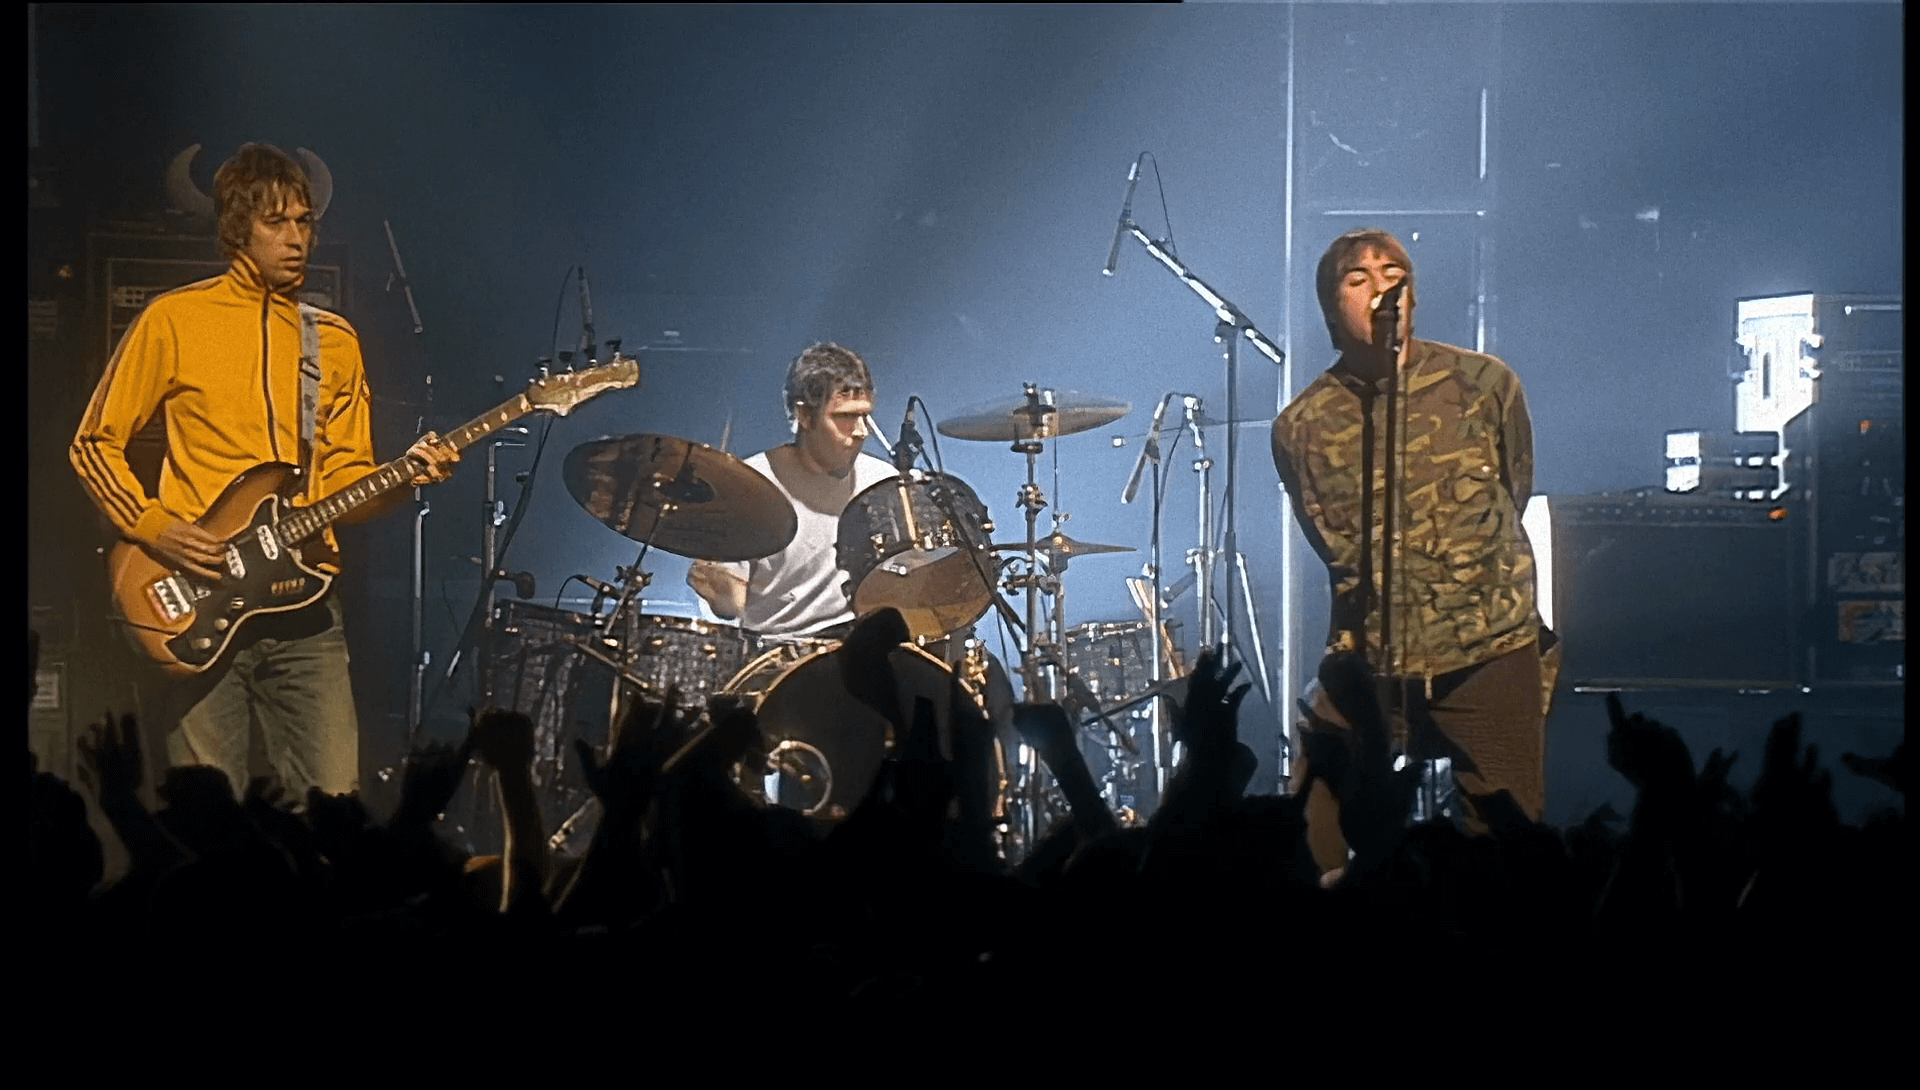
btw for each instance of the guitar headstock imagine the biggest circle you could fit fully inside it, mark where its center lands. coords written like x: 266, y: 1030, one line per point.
x: 561, y: 393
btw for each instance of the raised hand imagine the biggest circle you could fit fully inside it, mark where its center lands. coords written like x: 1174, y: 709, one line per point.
x: 110, y: 758
x: 1045, y: 727
x: 1793, y: 791
x: 1357, y: 763
x: 1891, y: 770
x: 428, y: 782
x: 1651, y: 756
x: 1208, y: 722
x: 867, y: 665
x: 503, y: 738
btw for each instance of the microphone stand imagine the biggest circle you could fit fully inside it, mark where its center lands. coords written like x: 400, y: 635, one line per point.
x: 1232, y: 324
x: 419, y: 659
x: 1163, y: 756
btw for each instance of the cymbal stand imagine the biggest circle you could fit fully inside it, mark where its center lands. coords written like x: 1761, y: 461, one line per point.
x: 1202, y: 555
x: 1038, y: 675
x: 1206, y: 555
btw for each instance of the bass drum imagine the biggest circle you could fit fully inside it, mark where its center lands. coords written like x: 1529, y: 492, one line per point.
x: 825, y: 745
x: 920, y: 544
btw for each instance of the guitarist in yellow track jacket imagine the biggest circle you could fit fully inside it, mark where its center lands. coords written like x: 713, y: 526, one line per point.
x: 219, y: 362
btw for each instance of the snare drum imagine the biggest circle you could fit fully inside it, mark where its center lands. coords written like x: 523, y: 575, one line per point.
x: 920, y: 544
x: 825, y: 745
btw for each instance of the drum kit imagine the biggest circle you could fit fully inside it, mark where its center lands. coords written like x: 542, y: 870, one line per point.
x: 921, y: 543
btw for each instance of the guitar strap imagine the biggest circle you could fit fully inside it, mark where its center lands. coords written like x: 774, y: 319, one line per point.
x: 309, y: 386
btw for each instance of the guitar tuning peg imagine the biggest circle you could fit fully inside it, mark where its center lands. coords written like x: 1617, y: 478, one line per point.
x: 613, y: 347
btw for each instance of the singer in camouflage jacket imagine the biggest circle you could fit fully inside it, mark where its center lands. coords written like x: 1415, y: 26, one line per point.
x: 1462, y: 570
x: 1461, y: 670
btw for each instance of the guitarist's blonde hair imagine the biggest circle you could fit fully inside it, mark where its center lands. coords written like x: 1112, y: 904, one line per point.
x: 258, y: 179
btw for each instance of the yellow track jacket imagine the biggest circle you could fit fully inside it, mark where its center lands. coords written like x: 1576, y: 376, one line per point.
x: 220, y: 360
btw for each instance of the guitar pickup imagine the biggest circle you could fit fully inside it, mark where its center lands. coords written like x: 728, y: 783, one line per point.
x: 170, y: 598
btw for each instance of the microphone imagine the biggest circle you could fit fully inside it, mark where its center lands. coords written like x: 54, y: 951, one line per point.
x: 908, y: 444
x: 1389, y: 304
x: 1387, y: 312
x: 523, y: 584
x: 1149, y: 449
x: 601, y: 591
x: 1126, y: 217
x: 587, y: 349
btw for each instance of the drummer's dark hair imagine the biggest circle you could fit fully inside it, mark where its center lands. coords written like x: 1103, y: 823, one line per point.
x: 819, y: 373
x: 1340, y: 255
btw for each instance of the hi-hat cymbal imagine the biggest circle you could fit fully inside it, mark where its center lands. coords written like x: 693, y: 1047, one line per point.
x: 686, y: 497
x: 1051, y: 414
x: 1059, y: 544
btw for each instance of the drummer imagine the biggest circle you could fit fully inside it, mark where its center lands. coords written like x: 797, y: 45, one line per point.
x: 800, y: 592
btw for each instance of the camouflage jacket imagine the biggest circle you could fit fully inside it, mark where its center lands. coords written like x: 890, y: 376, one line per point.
x: 1461, y: 566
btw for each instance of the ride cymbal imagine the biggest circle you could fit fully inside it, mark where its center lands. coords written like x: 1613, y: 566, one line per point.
x: 686, y: 498
x: 1046, y: 414
x: 1059, y: 544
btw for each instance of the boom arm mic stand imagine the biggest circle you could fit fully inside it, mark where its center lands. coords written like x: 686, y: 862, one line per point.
x: 1230, y: 326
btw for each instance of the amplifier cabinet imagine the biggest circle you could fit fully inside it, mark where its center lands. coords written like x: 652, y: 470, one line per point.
x: 1658, y: 591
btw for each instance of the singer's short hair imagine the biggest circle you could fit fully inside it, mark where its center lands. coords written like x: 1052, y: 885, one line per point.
x: 821, y: 373
x: 1339, y: 255
x: 258, y: 180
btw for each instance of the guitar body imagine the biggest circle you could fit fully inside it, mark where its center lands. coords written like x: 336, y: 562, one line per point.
x: 184, y: 624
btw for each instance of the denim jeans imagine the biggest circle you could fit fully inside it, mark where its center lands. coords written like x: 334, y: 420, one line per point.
x: 288, y: 673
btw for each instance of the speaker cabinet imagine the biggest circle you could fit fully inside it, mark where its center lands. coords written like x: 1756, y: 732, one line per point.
x: 1655, y: 591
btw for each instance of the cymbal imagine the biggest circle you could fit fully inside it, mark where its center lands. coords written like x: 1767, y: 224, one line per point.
x: 1060, y: 412
x: 1060, y: 544
x: 688, y: 498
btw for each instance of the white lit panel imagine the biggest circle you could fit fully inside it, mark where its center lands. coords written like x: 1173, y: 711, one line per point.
x: 1777, y: 337
x: 1538, y: 525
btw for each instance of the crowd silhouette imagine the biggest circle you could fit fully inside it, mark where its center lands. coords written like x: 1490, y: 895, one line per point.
x: 692, y: 885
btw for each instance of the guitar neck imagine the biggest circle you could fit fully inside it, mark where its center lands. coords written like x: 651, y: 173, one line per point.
x: 307, y: 522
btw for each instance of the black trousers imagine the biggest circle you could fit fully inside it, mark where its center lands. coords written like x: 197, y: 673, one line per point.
x: 1492, y: 712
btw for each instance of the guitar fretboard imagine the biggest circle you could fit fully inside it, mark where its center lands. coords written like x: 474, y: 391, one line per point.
x: 307, y: 522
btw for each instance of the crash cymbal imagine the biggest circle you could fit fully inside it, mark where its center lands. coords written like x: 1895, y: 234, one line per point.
x: 1061, y: 545
x: 1054, y: 413
x: 686, y: 497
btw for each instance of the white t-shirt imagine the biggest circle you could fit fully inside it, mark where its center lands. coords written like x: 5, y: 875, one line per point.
x: 801, y: 589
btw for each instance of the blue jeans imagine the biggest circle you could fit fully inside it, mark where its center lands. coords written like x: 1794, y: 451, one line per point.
x: 288, y: 673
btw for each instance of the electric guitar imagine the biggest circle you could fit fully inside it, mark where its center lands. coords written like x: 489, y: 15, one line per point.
x: 185, y: 623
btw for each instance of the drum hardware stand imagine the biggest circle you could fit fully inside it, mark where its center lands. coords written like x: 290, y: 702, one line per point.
x: 1206, y: 555
x: 1039, y: 676
x: 1231, y: 324
x: 493, y: 516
